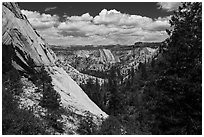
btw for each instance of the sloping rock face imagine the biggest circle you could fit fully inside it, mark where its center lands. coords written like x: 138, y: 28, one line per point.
x: 76, y: 99
x: 106, y: 56
x: 31, y: 52
x: 17, y: 31
x: 103, y: 55
x: 77, y: 76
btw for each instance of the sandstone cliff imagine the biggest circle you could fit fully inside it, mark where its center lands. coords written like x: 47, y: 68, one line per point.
x: 106, y: 56
x: 30, y: 52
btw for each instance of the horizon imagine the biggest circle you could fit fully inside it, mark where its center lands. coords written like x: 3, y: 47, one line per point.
x: 99, y: 23
x: 81, y: 45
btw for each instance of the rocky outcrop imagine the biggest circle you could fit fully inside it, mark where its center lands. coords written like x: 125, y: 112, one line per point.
x: 132, y: 58
x: 77, y: 76
x: 30, y: 52
x: 102, y: 55
x: 77, y: 99
x: 86, y: 61
x: 28, y: 45
x: 106, y: 56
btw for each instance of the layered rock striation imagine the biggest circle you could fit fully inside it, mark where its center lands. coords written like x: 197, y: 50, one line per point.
x: 30, y: 51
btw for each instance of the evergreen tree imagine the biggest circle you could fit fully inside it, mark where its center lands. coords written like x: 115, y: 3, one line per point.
x: 115, y: 101
x: 51, y: 101
x: 174, y: 97
x: 143, y: 70
x: 15, y: 120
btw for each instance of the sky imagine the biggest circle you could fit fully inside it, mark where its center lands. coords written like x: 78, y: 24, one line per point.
x: 99, y: 23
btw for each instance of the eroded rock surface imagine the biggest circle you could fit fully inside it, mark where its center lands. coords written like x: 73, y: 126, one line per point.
x: 30, y: 52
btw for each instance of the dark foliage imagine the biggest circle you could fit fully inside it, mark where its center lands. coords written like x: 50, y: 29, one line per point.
x: 163, y: 96
x: 7, y: 56
x: 111, y: 126
x: 96, y: 92
x: 16, y: 121
x: 51, y: 101
x: 115, y: 105
x: 174, y: 96
x: 87, y: 126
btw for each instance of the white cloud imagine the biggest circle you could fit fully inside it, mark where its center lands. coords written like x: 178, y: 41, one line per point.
x: 84, y: 17
x: 118, y: 18
x: 108, y: 27
x: 168, y: 6
x: 41, y: 21
x: 159, y: 24
x: 107, y: 17
x: 126, y: 20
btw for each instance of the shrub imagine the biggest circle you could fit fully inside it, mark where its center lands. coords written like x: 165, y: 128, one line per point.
x: 87, y: 126
x: 111, y: 126
x: 16, y: 121
x: 51, y: 101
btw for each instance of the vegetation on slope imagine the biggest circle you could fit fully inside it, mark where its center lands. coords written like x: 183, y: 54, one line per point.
x: 164, y: 96
x: 16, y: 120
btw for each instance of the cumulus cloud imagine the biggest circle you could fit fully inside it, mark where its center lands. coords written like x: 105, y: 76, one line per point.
x: 41, y: 21
x: 168, y: 6
x: 126, y: 20
x: 84, y: 17
x: 108, y: 27
x: 159, y: 24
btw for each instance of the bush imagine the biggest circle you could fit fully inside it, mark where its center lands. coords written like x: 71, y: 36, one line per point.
x: 111, y: 126
x: 50, y: 100
x: 87, y: 126
x: 16, y: 121
x: 174, y: 97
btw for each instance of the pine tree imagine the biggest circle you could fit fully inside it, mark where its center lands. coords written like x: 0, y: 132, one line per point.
x: 174, y: 97
x: 115, y: 101
x: 15, y: 120
x: 50, y: 100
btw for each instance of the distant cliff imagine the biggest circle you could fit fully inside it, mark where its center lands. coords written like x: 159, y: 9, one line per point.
x: 106, y: 56
x: 100, y: 59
